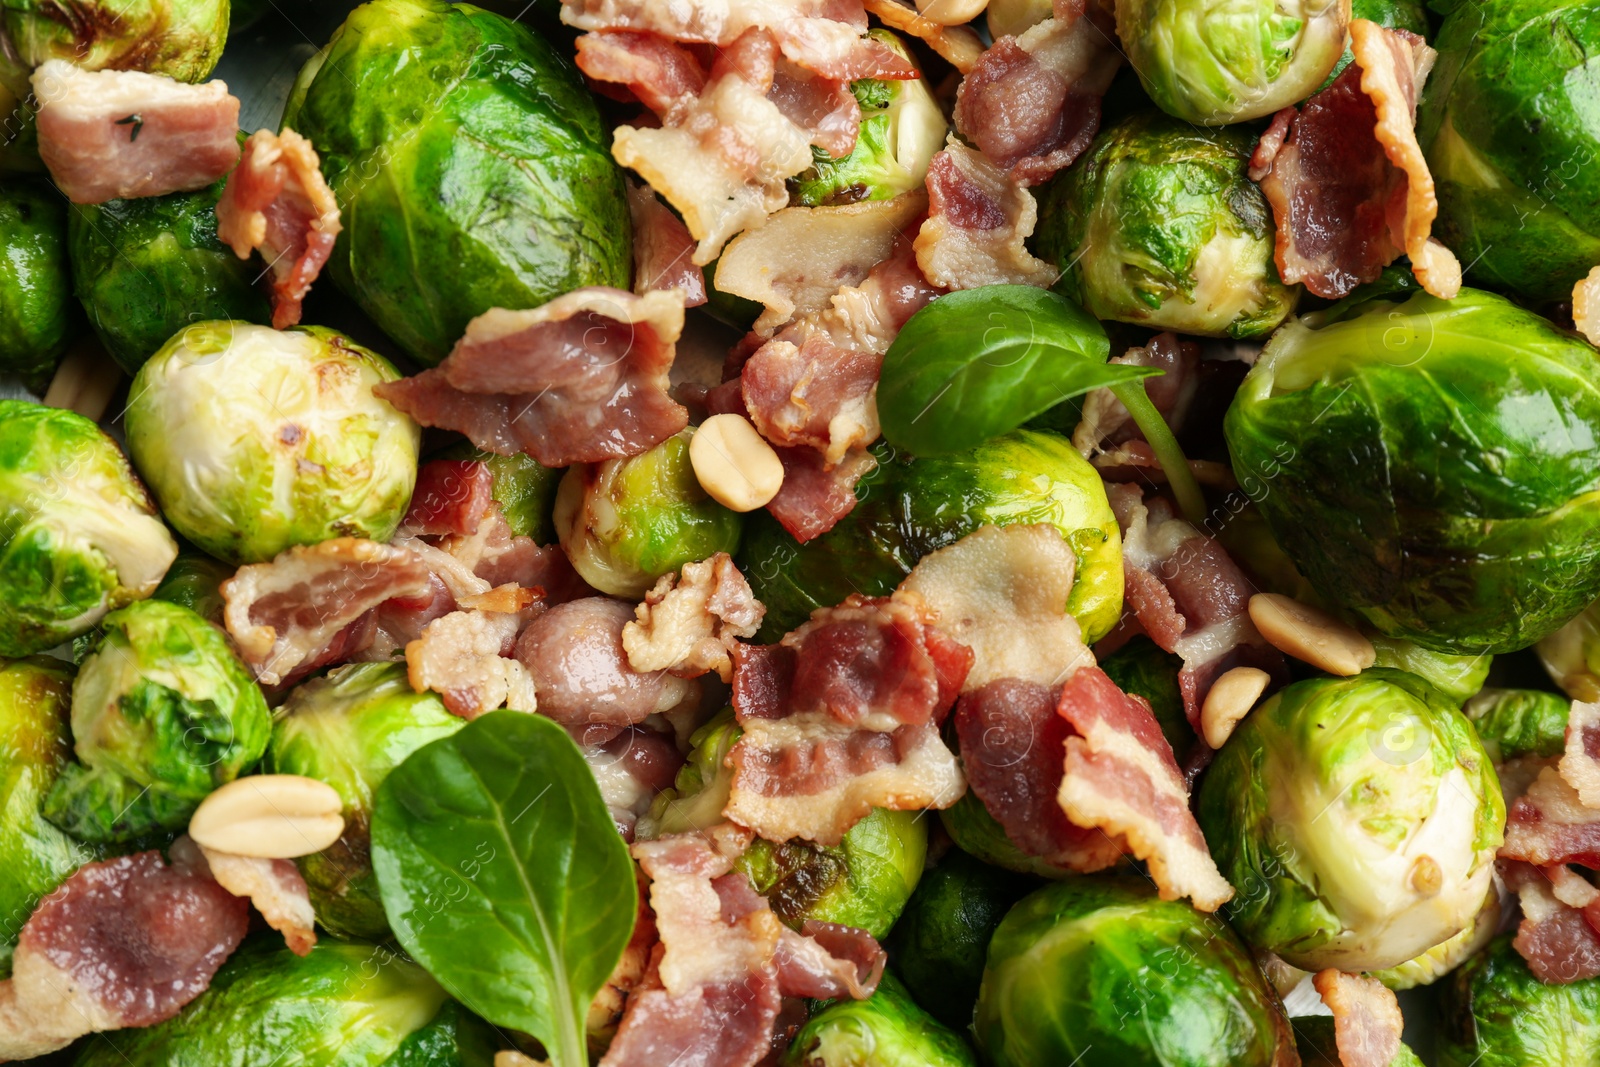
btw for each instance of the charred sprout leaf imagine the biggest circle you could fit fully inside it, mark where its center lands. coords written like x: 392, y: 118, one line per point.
x: 1314, y: 1039
x: 1519, y: 722
x: 502, y: 874
x: 38, y: 316
x: 887, y: 1029
x: 182, y: 39
x: 1497, y: 1014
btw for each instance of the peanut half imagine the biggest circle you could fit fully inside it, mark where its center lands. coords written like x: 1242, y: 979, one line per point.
x: 1311, y: 635
x: 269, y: 816
x: 1232, y: 696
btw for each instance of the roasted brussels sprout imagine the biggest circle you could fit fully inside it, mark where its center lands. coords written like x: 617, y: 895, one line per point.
x: 1571, y: 655
x: 254, y: 440
x: 1314, y: 1039
x: 347, y: 1004
x: 1446, y: 956
x: 1519, y: 722
x: 350, y: 729
x: 525, y: 491
x: 195, y: 581
x: 1159, y: 225
x: 940, y: 941
x: 163, y: 712
x: 146, y: 268
x: 701, y: 789
x: 1497, y: 1014
x: 1100, y: 972
x: 1457, y: 677
x: 182, y: 39
x: 448, y: 131
x: 902, y: 127
x: 887, y: 1029
x: 78, y: 535
x: 1142, y: 668
x: 909, y: 507
x: 1219, y: 61
x: 626, y: 522
x: 1512, y: 143
x: 38, y: 316
x: 974, y: 830
x: 1415, y: 476
x: 1357, y: 818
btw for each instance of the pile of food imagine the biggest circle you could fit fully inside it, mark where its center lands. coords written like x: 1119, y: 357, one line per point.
x: 803, y: 533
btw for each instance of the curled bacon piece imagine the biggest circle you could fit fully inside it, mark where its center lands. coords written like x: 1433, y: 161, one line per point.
x: 813, y: 497
x: 275, y: 887
x: 1366, y: 1018
x: 691, y: 625
x: 578, y: 380
x: 1586, y: 306
x: 277, y: 200
x: 465, y: 658
x: 124, y: 133
x: 663, y: 251
x: 1550, y: 825
x: 451, y: 497
x: 1558, y: 940
x: 979, y: 219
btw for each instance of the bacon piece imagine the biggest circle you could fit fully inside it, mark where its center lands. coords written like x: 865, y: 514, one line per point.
x: 578, y: 380
x: 284, y: 615
x: 277, y: 200
x: 1032, y: 103
x: 978, y: 222
x: 814, y: 498
x: 124, y: 942
x: 1549, y: 824
x: 826, y: 110
x: 662, y: 249
x: 825, y: 961
x: 464, y: 657
x: 1586, y: 306
x: 1558, y: 941
x: 124, y: 133
x: 665, y: 77
x: 690, y: 626
x: 451, y: 497
x: 275, y: 887
x: 1366, y: 1018
x: 1349, y: 187
x: 1580, y: 765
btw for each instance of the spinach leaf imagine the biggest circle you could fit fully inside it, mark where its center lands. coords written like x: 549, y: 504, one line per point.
x: 981, y: 362
x: 502, y: 874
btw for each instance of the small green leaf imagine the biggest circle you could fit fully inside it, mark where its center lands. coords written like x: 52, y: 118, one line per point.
x: 981, y: 362
x: 502, y: 874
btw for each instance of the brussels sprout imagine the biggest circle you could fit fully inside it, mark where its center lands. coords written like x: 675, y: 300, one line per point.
x: 1571, y: 655
x: 163, y: 712
x: 1314, y: 1039
x: 1358, y: 819
x: 450, y: 134
x: 1497, y: 1014
x: 885, y: 1030
x: 1446, y: 956
x: 78, y: 535
x: 195, y: 581
x: 902, y: 127
x: 38, y: 316
x: 525, y: 491
x: 19, y: 135
x: 1408, y: 15
x: 1508, y: 126
x: 254, y: 440
x: 1519, y: 722
x: 1159, y: 225
x: 35, y: 857
x: 910, y: 507
x: 146, y: 268
x: 1431, y: 465
x: 182, y: 39
x: 1142, y: 668
x: 1457, y: 677
x: 1100, y: 972
x: 350, y: 729
x: 1221, y: 61
x: 347, y: 1004
x: 940, y: 941
x: 974, y: 830
x: 626, y: 522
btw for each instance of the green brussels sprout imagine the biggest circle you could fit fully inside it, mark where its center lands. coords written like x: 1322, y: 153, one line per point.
x: 19, y: 135
x: 1519, y: 722
x: 347, y: 1004
x: 1358, y: 819
x: 1497, y: 1014
x: 1100, y: 972
x: 1571, y: 655
x: 450, y: 134
x: 254, y: 440
x: 146, y: 268
x: 703, y: 784
x: 902, y: 126
x: 887, y: 1029
x: 1219, y: 61
x: 1408, y: 15
x: 525, y: 491
x: 350, y: 729
x: 1314, y: 1039
x: 1509, y: 130
x: 1457, y: 677
x: 195, y: 581
x: 975, y: 831
x: 38, y: 317
x: 1446, y: 956
x: 1431, y: 465
x: 1142, y: 668
x: 910, y: 507
x: 1159, y: 225
x: 941, y: 939
x: 35, y: 857
x: 182, y: 39
x: 163, y: 712
x: 78, y: 534
x: 626, y: 522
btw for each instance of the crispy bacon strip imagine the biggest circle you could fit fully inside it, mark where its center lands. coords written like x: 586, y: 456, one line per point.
x: 813, y: 497
x: 451, y: 497
x: 1580, y: 765
x: 276, y: 200
x: 690, y: 626
x: 1550, y: 825
x: 113, y: 134
x: 578, y: 380
x: 1558, y: 941
x: 275, y: 887
x: 978, y: 222
x: 663, y: 251
x: 1366, y: 1018
x: 465, y: 657
x: 960, y: 46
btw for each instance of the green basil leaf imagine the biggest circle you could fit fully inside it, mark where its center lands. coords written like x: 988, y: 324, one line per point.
x: 502, y: 874
x: 981, y: 362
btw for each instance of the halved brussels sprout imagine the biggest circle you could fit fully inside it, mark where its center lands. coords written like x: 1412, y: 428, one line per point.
x: 909, y: 507
x: 1446, y: 956
x: 1100, y: 972
x: 1159, y: 225
x: 255, y: 440
x: 1219, y: 61
x: 887, y: 1029
x: 450, y: 134
x: 146, y: 268
x: 1497, y: 1014
x: 38, y: 317
x: 350, y: 729
x: 1457, y: 677
x: 78, y: 534
x: 902, y: 126
x: 182, y: 39
x: 525, y: 490
x: 1571, y: 655
x: 1431, y: 465
x: 626, y: 522
x: 1519, y: 722
x: 163, y: 712
x: 1357, y: 818
x: 1314, y: 1040
x: 1143, y: 668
